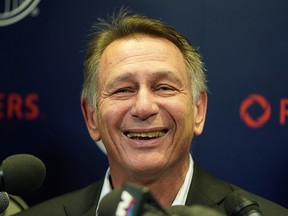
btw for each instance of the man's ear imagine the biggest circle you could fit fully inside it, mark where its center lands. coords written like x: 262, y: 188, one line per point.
x: 200, y: 113
x: 90, y: 117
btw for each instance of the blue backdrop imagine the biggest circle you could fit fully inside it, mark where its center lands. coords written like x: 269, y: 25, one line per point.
x: 244, y: 45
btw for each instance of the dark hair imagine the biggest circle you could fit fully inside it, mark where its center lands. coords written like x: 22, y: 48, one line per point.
x: 125, y: 25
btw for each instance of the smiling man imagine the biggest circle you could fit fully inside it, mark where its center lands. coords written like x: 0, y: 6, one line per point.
x: 144, y: 95
x: 145, y: 113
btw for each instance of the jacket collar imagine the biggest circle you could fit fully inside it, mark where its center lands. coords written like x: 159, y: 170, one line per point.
x: 206, y: 189
x: 84, y: 202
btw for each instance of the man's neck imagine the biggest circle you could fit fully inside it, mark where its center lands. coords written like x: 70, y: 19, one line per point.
x: 164, y: 186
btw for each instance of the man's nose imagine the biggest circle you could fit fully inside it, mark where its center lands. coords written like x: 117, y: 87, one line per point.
x: 145, y: 104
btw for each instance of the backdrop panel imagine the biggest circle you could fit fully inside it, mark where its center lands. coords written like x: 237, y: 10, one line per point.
x: 244, y: 46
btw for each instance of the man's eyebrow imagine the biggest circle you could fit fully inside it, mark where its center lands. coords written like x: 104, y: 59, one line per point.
x: 167, y: 74
x: 121, y: 78
x: 155, y: 75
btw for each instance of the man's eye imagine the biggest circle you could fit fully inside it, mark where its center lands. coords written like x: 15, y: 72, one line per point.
x: 123, y: 91
x: 165, y: 88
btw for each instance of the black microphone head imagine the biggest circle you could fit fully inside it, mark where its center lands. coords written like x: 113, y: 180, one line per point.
x: 109, y: 203
x: 179, y: 210
x: 22, y: 173
x: 132, y: 200
x: 240, y: 203
x: 194, y: 210
x: 4, y: 201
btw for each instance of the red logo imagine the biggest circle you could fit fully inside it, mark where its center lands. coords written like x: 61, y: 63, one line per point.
x: 250, y: 101
x: 18, y: 106
x: 283, y: 111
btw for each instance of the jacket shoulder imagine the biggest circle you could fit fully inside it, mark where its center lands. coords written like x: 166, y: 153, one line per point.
x: 58, y: 206
x: 268, y: 207
x: 208, y: 190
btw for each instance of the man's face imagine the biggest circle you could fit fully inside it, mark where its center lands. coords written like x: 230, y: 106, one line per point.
x: 145, y: 114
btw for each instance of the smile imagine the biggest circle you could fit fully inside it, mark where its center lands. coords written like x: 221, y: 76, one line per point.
x: 145, y: 135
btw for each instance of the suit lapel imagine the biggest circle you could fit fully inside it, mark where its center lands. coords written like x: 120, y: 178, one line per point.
x: 206, y: 189
x: 84, y: 203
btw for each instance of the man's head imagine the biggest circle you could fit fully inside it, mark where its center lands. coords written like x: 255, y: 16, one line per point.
x: 124, y: 25
x: 151, y: 97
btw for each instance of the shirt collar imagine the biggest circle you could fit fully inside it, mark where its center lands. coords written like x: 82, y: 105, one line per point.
x: 183, y: 191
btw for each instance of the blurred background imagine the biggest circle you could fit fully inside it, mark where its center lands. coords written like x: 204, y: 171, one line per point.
x: 244, y: 45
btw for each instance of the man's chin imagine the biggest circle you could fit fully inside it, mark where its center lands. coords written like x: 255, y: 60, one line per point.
x: 149, y: 168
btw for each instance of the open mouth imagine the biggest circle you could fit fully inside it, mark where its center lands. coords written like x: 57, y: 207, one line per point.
x: 145, y: 135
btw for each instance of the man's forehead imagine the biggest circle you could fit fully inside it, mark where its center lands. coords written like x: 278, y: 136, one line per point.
x: 155, y: 75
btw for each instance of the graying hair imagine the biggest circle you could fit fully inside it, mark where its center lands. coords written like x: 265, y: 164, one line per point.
x: 123, y: 25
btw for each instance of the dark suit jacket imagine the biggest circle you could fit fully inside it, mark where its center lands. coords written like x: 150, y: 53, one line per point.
x: 204, y: 190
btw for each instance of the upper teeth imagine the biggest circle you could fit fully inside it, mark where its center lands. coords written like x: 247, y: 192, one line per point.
x: 148, y: 134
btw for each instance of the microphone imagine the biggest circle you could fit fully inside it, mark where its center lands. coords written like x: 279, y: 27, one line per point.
x: 131, y: 200
x: 239, y: 203
x: 4, y: 201
x: 109, y: 203
x: 21, y: 174
x: 195, y: 210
